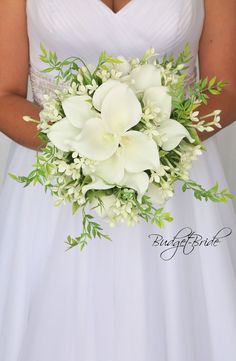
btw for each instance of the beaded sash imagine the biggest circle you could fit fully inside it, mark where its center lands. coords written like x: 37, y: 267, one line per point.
x: 42, y: 84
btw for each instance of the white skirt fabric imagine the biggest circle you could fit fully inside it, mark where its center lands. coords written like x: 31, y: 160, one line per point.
x: 116, y: 300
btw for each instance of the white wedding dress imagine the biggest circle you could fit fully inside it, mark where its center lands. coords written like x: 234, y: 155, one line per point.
x: 119, y: 300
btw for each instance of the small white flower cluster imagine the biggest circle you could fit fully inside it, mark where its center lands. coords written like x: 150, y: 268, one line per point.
x: 122, y: 211
x: 103, y: 74
x: 170, y: 74
x: 85, y: 89
x: 152, y: 132
x: 116, y: 74
x: 115, y: 71
x: 82, y: 89
x: 66, y: 177
x: 160, y: 172
x: 71, y: 170
x: 167, y: 189
x: 188, y: 153
x: 201, y: 125
x: 109, y: 73
x: 66, y: 193
x: 134, y: 62
x: 152, y: 114
x: 50, y: 112
x: 91, y: 87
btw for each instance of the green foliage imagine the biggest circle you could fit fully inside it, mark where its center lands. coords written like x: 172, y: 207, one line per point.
x: 104, y: 58
x: 68, y: 69
x: 90, y: 230
x: 43, y: 168
x: 151, y: 214
x: 200, y: 88
x: 213, y: 194
x: 183, y: 58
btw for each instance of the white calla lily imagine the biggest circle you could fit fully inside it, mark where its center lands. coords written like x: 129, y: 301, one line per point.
x: 156, y: 194
x: 110, y: 137
x: 140, y: 152
x: 78, y: 109
x: 96, y: 183
x: 62, y: 133
x: 143, y: 77
x: 95, y: 142
x: 100, y: 138
x: 102, y: 91
x: 173, y: 132
x: 111, y: 169
x: 159, y: 97
x: 123, y: 67
x: 121, y: 109
x: 137, y: 181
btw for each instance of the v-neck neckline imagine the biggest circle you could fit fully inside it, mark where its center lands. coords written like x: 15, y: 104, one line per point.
x: 123, y: 9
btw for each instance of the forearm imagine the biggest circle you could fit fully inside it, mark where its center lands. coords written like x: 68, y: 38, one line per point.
x: 226, y: 102
x: 12, y: 109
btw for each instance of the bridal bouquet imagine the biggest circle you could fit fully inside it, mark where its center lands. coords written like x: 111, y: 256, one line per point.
x: 118, y: 135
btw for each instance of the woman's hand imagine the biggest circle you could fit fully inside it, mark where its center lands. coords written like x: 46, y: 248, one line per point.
x: 217, y: 58
x: 14, y: 68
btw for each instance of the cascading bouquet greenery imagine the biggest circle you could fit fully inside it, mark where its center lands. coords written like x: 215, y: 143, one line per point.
x: 118, y: 135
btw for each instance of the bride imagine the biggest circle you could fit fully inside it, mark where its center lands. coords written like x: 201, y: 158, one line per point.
x: 119, y: 300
